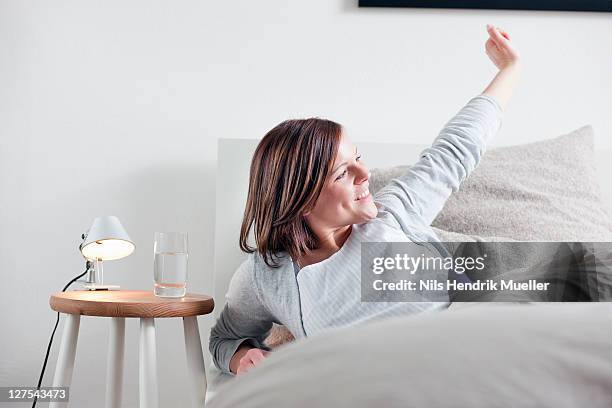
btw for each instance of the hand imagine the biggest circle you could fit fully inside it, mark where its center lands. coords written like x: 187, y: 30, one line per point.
x: 250, y: 359
x: 500, y: 49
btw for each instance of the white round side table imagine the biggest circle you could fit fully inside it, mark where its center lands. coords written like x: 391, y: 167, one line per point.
x: 129, y: 303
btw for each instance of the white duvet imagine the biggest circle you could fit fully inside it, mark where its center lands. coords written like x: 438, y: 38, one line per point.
x: 485, y: 355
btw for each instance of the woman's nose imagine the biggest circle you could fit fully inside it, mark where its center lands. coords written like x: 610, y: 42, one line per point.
x: 362, y: 175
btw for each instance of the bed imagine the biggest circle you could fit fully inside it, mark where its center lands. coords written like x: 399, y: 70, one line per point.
x: 233, y: 167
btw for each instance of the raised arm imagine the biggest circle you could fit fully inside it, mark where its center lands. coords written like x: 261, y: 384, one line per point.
x: 420, y: 194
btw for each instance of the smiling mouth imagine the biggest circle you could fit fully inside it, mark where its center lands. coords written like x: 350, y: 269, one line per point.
x: 363, y: 195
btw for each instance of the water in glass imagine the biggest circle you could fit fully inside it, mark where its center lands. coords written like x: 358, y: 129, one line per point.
x: 170, y: 264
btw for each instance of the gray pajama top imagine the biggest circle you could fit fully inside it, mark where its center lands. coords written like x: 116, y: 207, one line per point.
x: 327, y: 294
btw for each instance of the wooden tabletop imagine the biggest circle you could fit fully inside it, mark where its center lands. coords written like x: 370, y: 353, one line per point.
x: 129, y: 303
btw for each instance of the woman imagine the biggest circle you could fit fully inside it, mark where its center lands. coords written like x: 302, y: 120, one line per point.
x: 309, y: 208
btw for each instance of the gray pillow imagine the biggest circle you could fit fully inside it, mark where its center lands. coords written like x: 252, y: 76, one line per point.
x: 542, y: 191
x: 575, y: 272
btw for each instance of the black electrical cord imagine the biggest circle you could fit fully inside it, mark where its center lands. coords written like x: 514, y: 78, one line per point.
x: 42, y: 372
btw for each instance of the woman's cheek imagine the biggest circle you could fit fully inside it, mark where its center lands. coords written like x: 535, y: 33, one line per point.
x: 347, y: 198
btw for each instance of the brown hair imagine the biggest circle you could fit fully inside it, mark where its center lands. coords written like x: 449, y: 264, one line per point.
x: 288, y: 173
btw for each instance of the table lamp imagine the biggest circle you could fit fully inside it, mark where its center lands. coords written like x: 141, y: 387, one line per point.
x: 106, y: 240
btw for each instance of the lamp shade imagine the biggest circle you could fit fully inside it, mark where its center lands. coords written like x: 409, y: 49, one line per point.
x: 107, y: 240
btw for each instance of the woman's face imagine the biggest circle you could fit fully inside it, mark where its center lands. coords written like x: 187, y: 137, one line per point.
x: 346, y: 198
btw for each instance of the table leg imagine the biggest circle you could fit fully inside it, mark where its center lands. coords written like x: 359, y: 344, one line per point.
x: 114, y: 368
x: 195, y: 360
x: 67, y: 354
x: 148, y: 364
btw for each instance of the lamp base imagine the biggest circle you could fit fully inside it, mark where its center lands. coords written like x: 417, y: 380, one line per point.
x: 95, y: 286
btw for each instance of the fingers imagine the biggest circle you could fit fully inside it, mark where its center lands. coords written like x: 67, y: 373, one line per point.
x: 496, y: 35
x: 257, y: 356
x: 499, y: 48
x: 252, y: 357
x: 501, y: 31
x: 245, y: 365
x: 491, y: 45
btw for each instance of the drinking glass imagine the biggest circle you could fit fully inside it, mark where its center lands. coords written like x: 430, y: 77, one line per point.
x: 170, y: 264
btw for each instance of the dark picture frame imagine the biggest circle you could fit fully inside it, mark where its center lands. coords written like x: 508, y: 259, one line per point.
x: 558, y: 5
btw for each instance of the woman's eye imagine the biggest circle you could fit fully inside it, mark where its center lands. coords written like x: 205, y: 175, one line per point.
x: 341, y: 175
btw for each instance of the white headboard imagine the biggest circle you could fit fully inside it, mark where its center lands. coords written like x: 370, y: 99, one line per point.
x: 233, y: 162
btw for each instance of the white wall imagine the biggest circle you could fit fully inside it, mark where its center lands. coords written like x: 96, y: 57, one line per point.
x: 114, y: 107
